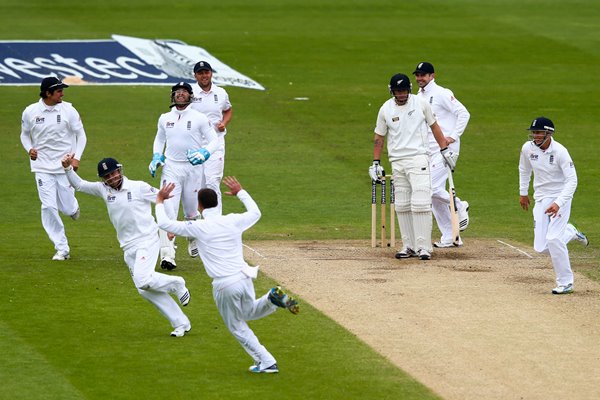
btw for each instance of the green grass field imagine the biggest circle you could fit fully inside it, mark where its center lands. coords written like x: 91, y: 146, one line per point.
x: 78, y: 330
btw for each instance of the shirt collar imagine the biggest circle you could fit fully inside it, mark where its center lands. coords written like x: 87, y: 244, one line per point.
x: 210, y: 212
x: 46, y: 107
x: 429, y: 87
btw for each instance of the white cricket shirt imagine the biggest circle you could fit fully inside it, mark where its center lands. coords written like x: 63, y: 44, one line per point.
x: 212, y: 104
x: 452, y: 116
x: 219, y: 236
x: 53, y: 131
x: 553, y: 170
x: 182, y: 130
x: 405, y: 127
x: 129, y: 209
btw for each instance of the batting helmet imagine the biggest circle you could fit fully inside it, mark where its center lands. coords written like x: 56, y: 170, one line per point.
x: 400, y: 82
x: 108, y: 165
x: 182, y: 85
x: 542, y: 124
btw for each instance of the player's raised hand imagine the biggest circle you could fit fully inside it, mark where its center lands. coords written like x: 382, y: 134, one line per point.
x: 165, y: 193
x: 232, y: 183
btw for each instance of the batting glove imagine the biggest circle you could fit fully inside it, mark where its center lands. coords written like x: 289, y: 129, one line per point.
x: 197, y: 157
x: 376, y: 171
x: 157, y: 161
x: 450, y: 158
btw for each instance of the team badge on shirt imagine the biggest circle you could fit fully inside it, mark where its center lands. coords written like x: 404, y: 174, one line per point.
x: 129, y: 196
x: 216, y: 98
x: 189, y: 125
x: 58, y: 119
x: 551, y: 159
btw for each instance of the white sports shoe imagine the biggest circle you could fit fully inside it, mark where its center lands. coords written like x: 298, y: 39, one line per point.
x: 193, y: 248
x: 442, y: 245
x: 75, y: 215
x: 580, y: 236
x: 59, y: 256
x: 183, y: 294
x: 563, y: 289
x: 463, y: 216
x: 424, y: 254
x: 406, y: 252
x: 181, y: 330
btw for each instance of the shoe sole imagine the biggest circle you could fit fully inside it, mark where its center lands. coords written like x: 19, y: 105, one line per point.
x: 164, y: 264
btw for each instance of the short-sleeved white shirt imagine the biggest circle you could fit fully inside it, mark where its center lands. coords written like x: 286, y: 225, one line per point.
x: 405, y: 127
x: 452, y: 116
x: 53, y: 131
x: 553, y: 170
x: 129, y: 208
x: 182, y: 130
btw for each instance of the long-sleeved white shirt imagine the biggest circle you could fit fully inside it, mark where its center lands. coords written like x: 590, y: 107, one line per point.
x: 53, y: 131
x: 553, y: 170
x: 405, y: 127
x: 452, y: 116
x: 184, y: 129
x: 219, y: 236
x: 129, y: 208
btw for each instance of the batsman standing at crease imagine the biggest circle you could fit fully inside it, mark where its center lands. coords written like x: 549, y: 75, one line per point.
x: 190, y: 141
x: 554, y: 183
x: 452, y: 117
x: 50, y: 128
x: 403, y: 119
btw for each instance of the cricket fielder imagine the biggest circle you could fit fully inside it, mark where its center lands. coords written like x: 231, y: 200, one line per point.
x: 554, y: 183
x: 219, y: 239
x: 129, y: 205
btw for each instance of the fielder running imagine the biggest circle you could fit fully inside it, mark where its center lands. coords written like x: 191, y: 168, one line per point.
x: 452, y: 118
x: 213, y: 101
x: 181, y: 129
x: 50, y: 128
x: 554, y: 183
x: 129, y: 209
x: 219, y: 240
x: 404, y: 119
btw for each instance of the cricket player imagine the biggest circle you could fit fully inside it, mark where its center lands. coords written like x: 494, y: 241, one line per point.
x: 403, y: 119
x: 452, y: 117
x: 180, y: 130
x: 219, y: 239
x: 50, y: 128
x: 213, y: 101
x: 554, y: 183
x: 129, y: 205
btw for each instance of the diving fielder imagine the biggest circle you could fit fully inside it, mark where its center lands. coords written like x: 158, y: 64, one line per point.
x: 554, y: 183
x: 181, y: 129
x: 453, y: 117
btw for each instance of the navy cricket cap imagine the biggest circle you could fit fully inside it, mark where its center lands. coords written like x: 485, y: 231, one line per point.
x: 52, y: 83
x: 424, y: 68
x: 107, y: 165
x: 541, y: 124
x: 202, y: 66
x: 182, y: 85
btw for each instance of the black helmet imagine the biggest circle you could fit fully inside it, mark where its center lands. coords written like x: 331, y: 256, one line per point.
x: 182, y: 85
x: 542, y: 124
x: 400, y: 82
x: 107, y: 165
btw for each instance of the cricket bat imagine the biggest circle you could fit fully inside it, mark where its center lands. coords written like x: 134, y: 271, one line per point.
x: 373, y: 213
x: 453, y: 210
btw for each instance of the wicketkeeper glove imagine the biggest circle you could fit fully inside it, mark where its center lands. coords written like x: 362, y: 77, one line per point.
x: 157, y: 161
x: 376, y: 171
x: 450, y: 158
x: 197, y: 157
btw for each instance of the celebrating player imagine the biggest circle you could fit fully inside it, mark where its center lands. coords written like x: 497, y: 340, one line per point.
x: 219, y: 239
x: 181, y: 129
x: 404, y: 119
x: 129, y: 209
x: 554, y: 183
x: 452, y: 118
x: 50, y: 128
x: 213, y: 101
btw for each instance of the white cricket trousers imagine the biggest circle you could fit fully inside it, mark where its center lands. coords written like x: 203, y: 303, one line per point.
x: 154, y: 286
x: 440, y: 198
x: 56, y: 195
x: 236, y: 302
x: 551, y: 235
x: 212, y: 174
